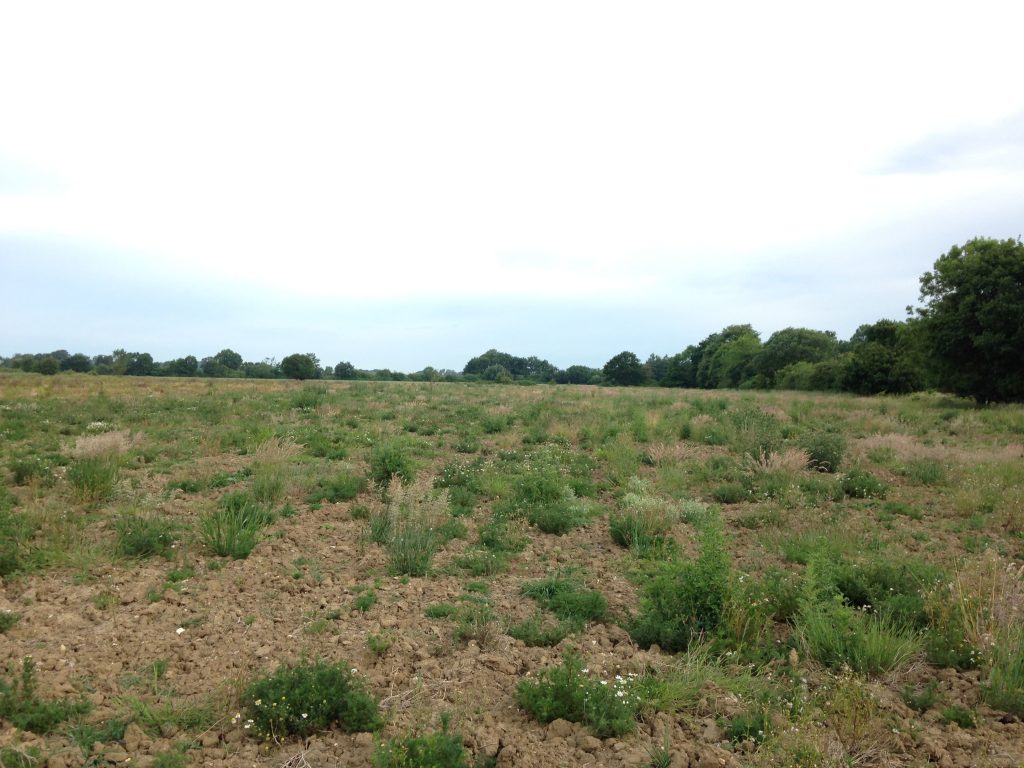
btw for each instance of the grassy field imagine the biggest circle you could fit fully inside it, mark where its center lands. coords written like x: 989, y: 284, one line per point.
x: 239, y: 573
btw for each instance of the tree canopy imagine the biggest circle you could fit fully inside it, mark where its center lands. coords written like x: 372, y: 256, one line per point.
x: 973, y: 317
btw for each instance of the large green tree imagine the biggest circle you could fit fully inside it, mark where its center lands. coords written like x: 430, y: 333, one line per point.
x: 973, y: 319
x: 794, y: 345
x: 625, y: 370
x: 299, y: 366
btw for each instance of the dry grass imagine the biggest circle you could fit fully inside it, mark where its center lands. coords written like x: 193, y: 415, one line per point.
x: 105, y: 444
x: 989, y: 593
x: 276, y: 451
x: 789, y: 460
x: 669, y: 453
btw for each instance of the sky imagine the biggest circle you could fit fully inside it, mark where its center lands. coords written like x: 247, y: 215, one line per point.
x: 404, y: 184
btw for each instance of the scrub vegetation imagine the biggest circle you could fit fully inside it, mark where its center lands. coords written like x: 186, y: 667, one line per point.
x: 233, y: 572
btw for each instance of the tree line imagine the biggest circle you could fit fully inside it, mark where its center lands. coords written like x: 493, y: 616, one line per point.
x: 967, y: 337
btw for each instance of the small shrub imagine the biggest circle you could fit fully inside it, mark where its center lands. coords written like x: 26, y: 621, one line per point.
x: 1004, y: 687
x: 29, y: 468
x: 730, y: 493
x: 568, y: 692
x: 925, y: 472
x: 500, y: 536
x: 860, y: 484
x: 435, y: 750
x: 21, y: 706
x: 7, y: 620
x: 754, y: 726
x: 482, y: 562
x: 824, y: 450
x: 539, y: 631
x: 390, y: 460
x: 232, y: 530
x: 93, y: 478
x: 474, y: 621
x: 686, y: 600
x: 144, y: 535
x: 568, y: 600
x: 307, y: 698
x: 921, y: 699
x: 965, y: 718
x: 15, y: 534
x: 344, y: 486
x: 365, y: 601
x: 440, y: 611
x: 308, y: 398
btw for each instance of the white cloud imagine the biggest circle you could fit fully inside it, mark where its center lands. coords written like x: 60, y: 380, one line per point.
x: 404, y: 150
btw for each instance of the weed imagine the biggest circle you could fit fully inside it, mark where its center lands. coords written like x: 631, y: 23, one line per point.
x: 569, y: 692
x: 232, y: 530
x: 144, y: 535
x: 921, y: 699
x: 380, y: 644
x: 861, y: 484
x: 754, y: 726
x: 540, y: 631
x: 93, y: 478
x: 965, y: 718
x: 344, y: 486
x: 568, y: 599
x: 824, y: 449
x: 390, y: 460
x: 85, y: 735
x: 482, y: 562
x: 433, y: 750
x: 7, y: 620
x: 440, y: 611
x: 306, y: 698
x: 686, y: 599
x: 730, y: 493
x: 474, y: 621
x: 21, y: 706
x: 365, y: 601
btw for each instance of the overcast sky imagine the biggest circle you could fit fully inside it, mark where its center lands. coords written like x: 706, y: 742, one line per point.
x: 409, y: 184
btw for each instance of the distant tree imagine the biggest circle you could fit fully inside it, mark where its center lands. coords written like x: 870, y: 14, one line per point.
x: 794, y: 345
x: 344, y: 370
x: 48, y: 365
x: 78, y: 363
x: 496, y: 373
x: 138, y: 364
x: 267, y: 369
x: 656, y: 367
x: 681, y: 369
x: 883, y: 358
x: 211, y: 366
x: 625, y: 370
x: 300, y: 366
x: 229, y: 359
x: 727, y: 357
x: 973, y: 319
x: 183, y: 366
x: 578, y: 374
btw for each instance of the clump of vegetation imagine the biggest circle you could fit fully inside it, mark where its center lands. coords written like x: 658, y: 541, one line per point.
x: 233, y: 529
x: 570, y: 692
x: 838, y: 634
x: 7, y: 620
x: 144, y: 535
x: 686, y: 599
x: 93, y: 478
x: 432, y: 750
x: 306, y: 698
x: 345, y: 485
x: 861, y: 484
x: 412, y: 525
x: 15, y: 533
x: 389, y: 460
x: 21, y: 706
x: 825, y: 449
x: 568, y: 599
x: 643, y: 520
